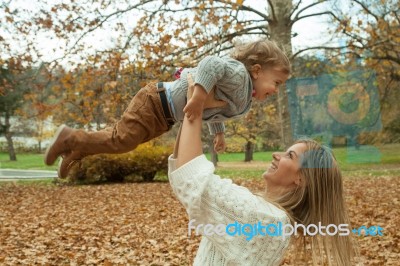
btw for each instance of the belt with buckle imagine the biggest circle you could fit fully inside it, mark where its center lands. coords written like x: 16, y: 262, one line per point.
x: 165, y: 105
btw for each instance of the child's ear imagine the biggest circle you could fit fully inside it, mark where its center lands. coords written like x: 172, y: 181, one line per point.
x: 255, y: 71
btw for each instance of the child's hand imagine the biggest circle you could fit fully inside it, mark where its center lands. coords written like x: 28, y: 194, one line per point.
x: 219, y: 142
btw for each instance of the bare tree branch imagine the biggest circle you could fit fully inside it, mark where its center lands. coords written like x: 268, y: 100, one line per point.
x: 271, y: 6
x: 318, y: 48
x: 106, y: 18
x: 366, y: 9
x: 314, y: 15
x: 304, y: 9
x: 396, y: 14
x: 262, y: 15
x: 245, y: 8
x: 388, y: 58
x: 295, y: 8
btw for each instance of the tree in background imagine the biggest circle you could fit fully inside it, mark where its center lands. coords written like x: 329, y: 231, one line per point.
x: 260, y: 121
x: 373, y: 36
x: 150, y: 38
x: 39, y: 103
x: 97, y: 93
x: 162, y: 34
x: 12, y: 77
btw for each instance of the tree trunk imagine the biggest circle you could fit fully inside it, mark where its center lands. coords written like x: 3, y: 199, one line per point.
x: 39, y: 146
x: 248, y: 153
x: 280, y: 29
x: 8, y: 135
x: 214, y: 155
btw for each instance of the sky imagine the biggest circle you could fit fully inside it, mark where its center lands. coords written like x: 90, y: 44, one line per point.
x: 310, y: 32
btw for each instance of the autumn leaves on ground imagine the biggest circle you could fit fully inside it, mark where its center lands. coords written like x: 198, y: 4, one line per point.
x: 144, y: 224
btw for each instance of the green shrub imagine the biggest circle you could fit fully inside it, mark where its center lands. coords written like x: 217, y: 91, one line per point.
x: 144, y: 162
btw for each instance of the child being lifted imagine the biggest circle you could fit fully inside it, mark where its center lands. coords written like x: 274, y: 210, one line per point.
x: 224, y: 89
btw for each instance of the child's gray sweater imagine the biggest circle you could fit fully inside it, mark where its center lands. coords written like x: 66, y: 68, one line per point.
x: 233, y: 85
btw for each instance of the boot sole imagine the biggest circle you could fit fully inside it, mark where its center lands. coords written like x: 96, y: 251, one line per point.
x: 56, y: 135
x: 70, y: 165
x: 58, y: 167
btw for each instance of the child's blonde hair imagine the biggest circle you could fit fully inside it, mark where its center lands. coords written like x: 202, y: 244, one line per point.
x: 263, y: 52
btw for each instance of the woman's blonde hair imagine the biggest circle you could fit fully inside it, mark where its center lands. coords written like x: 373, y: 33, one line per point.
x: 263, y: 52
x: 319, y: 198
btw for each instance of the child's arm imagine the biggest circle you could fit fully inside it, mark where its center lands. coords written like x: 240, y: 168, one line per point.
x: 217, y: 129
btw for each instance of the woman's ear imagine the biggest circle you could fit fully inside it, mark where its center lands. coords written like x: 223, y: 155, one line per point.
x: 297, y: 180
x: 255, y: 71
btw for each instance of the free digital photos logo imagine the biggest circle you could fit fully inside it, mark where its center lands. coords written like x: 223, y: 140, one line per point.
x: 340, y: 105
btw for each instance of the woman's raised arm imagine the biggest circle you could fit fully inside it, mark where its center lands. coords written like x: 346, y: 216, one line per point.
x: 188, y: 142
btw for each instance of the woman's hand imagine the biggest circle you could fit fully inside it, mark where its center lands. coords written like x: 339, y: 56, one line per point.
x: 194, y: 108
x: 196, y: 97
x: 211, y: 102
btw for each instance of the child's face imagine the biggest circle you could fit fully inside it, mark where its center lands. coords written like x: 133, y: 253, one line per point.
x: 266, y: 82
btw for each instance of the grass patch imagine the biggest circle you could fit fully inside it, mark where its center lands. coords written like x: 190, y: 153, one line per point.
x: 383, y: 160
x: 239, y: 156
x: 383, y: 154
x: 386, y: 164
x: 31, y: 161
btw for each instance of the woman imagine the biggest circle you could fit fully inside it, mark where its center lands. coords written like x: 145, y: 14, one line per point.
x: 303, y: 185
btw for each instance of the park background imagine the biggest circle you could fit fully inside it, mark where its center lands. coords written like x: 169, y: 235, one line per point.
x: 80, y: 63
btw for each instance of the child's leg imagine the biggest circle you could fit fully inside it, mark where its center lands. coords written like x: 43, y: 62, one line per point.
x: 142, y: 121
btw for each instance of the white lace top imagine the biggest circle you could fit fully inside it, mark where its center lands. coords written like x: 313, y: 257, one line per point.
x: 211, y: 200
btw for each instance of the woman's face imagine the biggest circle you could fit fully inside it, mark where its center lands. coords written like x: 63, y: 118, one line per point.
x: 284, y: 171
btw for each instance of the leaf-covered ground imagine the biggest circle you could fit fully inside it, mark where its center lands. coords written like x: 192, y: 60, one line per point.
x: 143, y: 223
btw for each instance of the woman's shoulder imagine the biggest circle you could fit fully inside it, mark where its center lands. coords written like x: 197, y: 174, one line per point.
x: 223, y: 193
x: 271, y: 210
x: 242, y: 203
x: 257, y: 206
x: 194, y: 167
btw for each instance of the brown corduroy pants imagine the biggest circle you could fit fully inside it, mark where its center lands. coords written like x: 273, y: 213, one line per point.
x: 142, y: 121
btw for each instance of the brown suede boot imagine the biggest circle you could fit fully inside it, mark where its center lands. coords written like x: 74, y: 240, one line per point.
x: 67, y: 161
x: 57, y: 145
